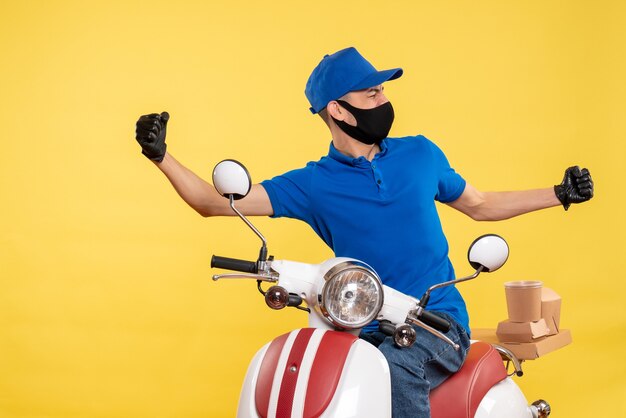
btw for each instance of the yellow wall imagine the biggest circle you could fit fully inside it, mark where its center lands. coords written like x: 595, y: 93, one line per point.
x: 106, y: 304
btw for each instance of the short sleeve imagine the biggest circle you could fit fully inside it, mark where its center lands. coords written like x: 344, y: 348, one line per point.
x: 450, y: 184
x: 289, y: 194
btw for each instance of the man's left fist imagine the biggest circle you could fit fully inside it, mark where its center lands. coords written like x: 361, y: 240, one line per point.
x: 576, y: 187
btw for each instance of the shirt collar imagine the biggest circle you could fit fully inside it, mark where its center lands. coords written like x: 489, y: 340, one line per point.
x: 335, y: 154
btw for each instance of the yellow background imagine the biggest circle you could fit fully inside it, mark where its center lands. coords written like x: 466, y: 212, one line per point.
x: 106, y: 304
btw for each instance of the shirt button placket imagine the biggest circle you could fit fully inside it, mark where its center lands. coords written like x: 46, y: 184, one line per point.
x: 377, y: 176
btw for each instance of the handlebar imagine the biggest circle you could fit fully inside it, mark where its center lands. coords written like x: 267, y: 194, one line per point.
x: 435, y: 321
x: 234, y: 264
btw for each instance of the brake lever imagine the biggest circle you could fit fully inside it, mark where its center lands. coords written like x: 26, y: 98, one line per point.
x: 262, y: 277
x: 433, y: 331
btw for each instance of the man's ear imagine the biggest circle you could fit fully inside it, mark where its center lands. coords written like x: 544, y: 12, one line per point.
x: 335, y: 110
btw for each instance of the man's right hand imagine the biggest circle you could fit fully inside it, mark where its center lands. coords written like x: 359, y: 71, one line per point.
x: 150, y: 133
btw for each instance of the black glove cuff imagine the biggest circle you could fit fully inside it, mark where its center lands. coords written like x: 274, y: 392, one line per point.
x: 155, y: 157
x: 561, y: 194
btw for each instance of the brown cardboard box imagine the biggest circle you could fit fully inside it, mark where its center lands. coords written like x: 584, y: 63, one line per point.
x: 551, y: 309
x: 521, y: 332
x: 526, y: 351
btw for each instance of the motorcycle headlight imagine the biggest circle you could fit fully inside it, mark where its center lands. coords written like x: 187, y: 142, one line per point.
x: 351, y: 296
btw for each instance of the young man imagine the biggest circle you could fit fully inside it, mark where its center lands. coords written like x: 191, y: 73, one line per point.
x: 373, y: 198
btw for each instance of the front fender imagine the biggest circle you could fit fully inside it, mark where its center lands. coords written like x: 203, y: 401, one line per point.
x: 311, y: 373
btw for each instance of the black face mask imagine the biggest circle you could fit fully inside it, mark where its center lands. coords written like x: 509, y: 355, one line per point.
x: 372, y: 125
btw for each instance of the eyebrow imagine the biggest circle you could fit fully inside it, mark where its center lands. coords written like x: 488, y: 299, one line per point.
x: 377, y: 89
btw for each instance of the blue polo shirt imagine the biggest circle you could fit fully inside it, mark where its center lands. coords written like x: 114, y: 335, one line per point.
x: 382, y: 212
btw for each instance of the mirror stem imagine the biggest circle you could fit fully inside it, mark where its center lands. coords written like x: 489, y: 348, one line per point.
x: 263, y: 252
x: 424, y: 299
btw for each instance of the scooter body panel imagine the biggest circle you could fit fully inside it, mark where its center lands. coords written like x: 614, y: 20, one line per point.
x: 247, y: 407
x: 356, y: 392
x: 365, y: 386
x: 505, y: 399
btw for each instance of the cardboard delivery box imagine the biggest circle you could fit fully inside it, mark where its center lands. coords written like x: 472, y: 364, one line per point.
x: 551, y: 309
x: 526, y: 351
x: 521, y: 332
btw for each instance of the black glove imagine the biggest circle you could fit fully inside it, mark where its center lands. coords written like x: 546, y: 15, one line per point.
x: 576, y: 187
x: 150, y: 134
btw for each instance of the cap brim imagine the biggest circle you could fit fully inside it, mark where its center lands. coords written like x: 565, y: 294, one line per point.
x: 377, y: 78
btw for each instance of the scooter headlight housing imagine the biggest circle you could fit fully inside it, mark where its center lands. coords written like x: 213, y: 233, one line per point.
x: 352, y: 295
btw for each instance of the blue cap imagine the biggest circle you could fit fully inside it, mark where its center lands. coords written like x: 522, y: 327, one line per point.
x: 340, y: 73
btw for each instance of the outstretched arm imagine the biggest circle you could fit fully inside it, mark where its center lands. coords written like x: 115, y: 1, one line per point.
x: 576, y: 187
x: 204, y: 199
x: 196, y: 192
x: 496, y: 206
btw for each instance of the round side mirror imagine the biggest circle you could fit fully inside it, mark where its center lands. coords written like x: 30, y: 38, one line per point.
x: 230, y: 177
x: 489, y: 251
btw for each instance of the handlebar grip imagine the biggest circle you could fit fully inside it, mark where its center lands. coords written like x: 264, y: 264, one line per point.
x: 435, y: 321
x: 234, y: 264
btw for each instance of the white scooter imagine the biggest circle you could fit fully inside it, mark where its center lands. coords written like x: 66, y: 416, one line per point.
x: 326, y: 370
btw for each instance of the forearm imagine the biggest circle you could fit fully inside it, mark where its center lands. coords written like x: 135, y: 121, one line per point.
x: 496, y: 206
x: 505, y: 205
x: 195, y: 191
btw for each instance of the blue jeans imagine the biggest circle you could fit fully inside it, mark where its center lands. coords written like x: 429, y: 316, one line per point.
x: 422, y: 367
